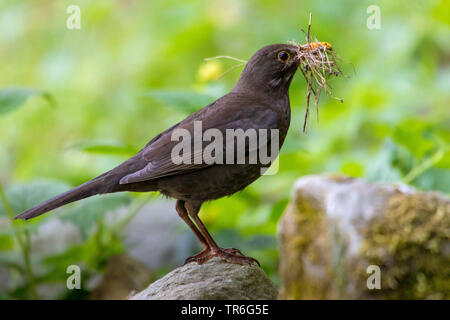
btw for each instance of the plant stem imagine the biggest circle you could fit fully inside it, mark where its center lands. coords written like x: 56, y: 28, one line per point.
x: 24, y: 244
x: 428, y: 163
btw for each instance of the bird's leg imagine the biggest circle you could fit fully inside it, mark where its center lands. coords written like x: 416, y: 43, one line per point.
x: 184, y: 215
x: 229, y: 254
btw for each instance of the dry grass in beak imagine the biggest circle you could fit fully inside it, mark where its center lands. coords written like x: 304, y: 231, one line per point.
x: 317, y: 64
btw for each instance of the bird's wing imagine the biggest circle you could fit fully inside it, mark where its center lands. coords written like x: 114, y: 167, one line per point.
x: 235, y: 115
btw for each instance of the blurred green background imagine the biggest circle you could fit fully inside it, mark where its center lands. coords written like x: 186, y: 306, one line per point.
x: 75, y: 103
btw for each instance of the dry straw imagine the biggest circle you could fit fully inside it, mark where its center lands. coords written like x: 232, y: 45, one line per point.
x: 317, y: 64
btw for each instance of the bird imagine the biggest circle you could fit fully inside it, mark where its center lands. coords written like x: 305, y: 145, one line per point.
x: 259, y: 100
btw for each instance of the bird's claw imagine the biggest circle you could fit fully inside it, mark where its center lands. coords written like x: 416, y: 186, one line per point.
x: 230, y: 255
x: 200, y: 258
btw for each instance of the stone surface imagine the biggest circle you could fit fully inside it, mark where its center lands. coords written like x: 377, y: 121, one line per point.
x: 214, y: 280
x: 334, y: 228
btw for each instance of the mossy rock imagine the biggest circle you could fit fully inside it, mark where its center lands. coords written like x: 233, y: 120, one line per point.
x: 336, y: 227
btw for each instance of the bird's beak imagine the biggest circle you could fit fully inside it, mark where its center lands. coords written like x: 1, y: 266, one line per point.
x: 295, y: 61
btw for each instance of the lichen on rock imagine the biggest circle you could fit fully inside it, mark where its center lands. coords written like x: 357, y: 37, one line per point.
x: 336, y: 227
x: 412, y: 245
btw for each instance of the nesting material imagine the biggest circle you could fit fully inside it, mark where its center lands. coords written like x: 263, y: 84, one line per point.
x: 317, y: 64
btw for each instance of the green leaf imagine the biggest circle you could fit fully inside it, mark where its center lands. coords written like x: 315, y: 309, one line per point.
x: 107, y: 147
x: 352, y: 168
x: 415, y: 135
x: 86, y: 213
x: 382, y: 168
x: 25, y: 196
x: 12, y: 98
x: 6, y: 242
x: 93, y: 252
x: 12, y: 260
x: 184, y: 101
x: 434, y: 179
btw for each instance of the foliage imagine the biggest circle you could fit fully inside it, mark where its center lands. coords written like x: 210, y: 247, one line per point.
x: 12, y: 98
x: 100, y: 241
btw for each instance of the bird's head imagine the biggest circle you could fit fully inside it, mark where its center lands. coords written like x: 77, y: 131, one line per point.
x: 270, y: 68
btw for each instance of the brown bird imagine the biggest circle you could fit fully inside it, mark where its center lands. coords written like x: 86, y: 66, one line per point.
x: 259, y: 100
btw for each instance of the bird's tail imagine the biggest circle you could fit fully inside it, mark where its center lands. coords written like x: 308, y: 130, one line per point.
x: 85, y: 190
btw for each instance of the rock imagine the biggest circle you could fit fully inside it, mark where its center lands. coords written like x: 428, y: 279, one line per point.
x: 334, y: 228
x: 213, y: 280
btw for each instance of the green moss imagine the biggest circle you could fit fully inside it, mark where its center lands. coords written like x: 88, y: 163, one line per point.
x: 409, y: 239
x: 409, y: 243
x: 303, y: 221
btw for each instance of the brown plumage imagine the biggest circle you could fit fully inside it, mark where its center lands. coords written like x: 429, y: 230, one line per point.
x: 260, y: 100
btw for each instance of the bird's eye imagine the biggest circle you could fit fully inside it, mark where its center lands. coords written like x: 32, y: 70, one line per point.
x: 283, y: 56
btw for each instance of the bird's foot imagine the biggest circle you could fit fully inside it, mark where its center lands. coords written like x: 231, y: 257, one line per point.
x: 230, y: 255
x: 199, y: 257
x: 233, y: 255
